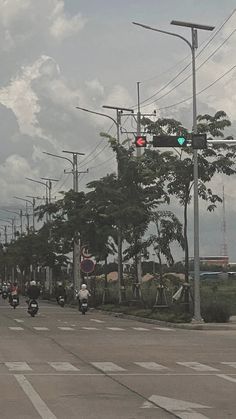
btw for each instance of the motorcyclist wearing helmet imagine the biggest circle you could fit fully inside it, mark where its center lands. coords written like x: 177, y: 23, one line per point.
x: 14, y: 292
x: 33, y: 291
x: 83, y: 294
x: 60, y: 291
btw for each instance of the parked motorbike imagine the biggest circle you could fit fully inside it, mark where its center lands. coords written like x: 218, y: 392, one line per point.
x: 61, y: 301
x: 84, y: 306
x: 33, y: 308
x: 14, y: 301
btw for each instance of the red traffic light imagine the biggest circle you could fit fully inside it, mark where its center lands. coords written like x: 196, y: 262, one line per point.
x: 140, y: 141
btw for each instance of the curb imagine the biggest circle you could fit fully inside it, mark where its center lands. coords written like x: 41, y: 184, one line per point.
x: 187, y: 326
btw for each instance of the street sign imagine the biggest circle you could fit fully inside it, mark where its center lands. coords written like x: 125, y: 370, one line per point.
x: 87, y: 266
x: 85, y: 252
x: 199, y: 141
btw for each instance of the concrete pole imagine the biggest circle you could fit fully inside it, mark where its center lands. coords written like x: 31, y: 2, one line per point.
x: 139, y: 153
x: 76, y: 246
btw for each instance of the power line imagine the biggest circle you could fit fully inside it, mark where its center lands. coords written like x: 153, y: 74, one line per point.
x: 181, y: 71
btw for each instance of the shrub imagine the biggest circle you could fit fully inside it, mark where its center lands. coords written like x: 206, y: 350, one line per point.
x: 216, y: 313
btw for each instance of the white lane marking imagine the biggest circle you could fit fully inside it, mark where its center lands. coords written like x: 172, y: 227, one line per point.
x: 115, y: 328
x: 63, y: 366
x: 197, y: 366
x: 97, y: 321
x: 226, y: 377
x: 34, y: 397
x: 16, y: 328
x: 40, y: 328
x: 90, y: 328
x: 107, y: 366
x: 231, y: 364
x: 141, y: 328
x: 18, y: 366
x: 167, y: 329
x: 66, y: 328
x: 19, y: 320
x: 151, y: 366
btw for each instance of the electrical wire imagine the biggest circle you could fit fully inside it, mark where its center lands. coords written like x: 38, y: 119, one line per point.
x: 181, y: 71
x: 201, y: 91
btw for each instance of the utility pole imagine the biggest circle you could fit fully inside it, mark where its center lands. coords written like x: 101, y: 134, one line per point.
x: 77, y: 243
x: 122, y: 293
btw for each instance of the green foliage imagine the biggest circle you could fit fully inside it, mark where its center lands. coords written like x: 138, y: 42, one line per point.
x: 216, y: 312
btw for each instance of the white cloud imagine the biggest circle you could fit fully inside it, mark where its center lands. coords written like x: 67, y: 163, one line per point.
x: 63, y: 26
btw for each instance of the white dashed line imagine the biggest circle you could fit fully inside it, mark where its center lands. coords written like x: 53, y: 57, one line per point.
x: 197, y: 366
x: 16, y: 328
x: 153, y: 366
x: 107, y: 366
x: 141, y: 329
x: 18, y: 366
x: 40, y: 328
x: 97, y: 321
x: 63, y: 366
x: 66, y: 328
x: 116, y: 329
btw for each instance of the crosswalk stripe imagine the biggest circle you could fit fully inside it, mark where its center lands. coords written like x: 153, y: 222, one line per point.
x: 226, y: 377
x: 197, y: 366
x: 97, y: 321
x: 140, y: 328
x: 66, y: 328
x: 167, y: 329
x: 231, y: 364
x: 18, y: 366
x: 107, y: 366
x: 115, y: 328
x: 63, y: 366
x: 40, y: 328
x: 151, y: 366
x: 90, y: 328
x: 16, y: 328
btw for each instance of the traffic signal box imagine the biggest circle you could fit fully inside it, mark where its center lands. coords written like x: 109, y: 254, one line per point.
x: 169, y: 141
x: 140, y: 141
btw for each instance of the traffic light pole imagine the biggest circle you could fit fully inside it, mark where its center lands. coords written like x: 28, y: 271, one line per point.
x: 193, y: 45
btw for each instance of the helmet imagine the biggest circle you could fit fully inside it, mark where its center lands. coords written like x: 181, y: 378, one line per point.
x: 33, y: 282
x: 83, y: 286
x: 59, y: 284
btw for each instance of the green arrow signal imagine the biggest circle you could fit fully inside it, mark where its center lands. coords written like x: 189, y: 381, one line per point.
x: 181, y: 140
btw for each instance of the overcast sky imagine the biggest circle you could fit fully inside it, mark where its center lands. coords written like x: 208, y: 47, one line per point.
x: 57, y: 54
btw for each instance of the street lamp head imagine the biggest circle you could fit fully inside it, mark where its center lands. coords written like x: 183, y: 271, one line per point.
x: 192, y: 25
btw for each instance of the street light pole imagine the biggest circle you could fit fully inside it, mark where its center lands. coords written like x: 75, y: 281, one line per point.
x: 193, y: 46
x: 76, y: 244
x: 27, y: 215
x: 117, y: 122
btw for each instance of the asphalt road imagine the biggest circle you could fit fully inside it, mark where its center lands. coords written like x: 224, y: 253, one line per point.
x: 62, y: 365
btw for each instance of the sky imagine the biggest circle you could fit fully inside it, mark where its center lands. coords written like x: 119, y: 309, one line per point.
x: 56, y: 55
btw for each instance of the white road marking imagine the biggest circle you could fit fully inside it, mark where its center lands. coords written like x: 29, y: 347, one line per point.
x: 40, y: 328
x: 66, y: 328
x: 97, y: 321
x: 18, y: 366
x: 226, y: 377
x: 107, y: 366
x: 90, y: 328
x: 16, y: 328
x: 231, y: 364
x: 151, y: 366
x: 183, y: 409
x: 115, y: 328
x: 167, y: 329
x: 34, y: 397
x: 19, y: 320
x: 197, y: 366
x: 63, y: 366
x: 140, y: 328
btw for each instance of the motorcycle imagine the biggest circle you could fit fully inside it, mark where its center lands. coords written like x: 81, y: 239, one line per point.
x: 33, y: 308
x: 61, y: 301
x: 84, y: 306
x: 4, y: 295
x: 14, y: 301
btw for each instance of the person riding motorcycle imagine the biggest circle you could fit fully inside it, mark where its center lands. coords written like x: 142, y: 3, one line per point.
x: 14, y: 292
x: 33, y: 291
x: 83, y: 294
x: 60, y: 291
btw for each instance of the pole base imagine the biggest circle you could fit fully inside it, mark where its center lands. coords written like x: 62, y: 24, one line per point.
x: 197, y: 321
